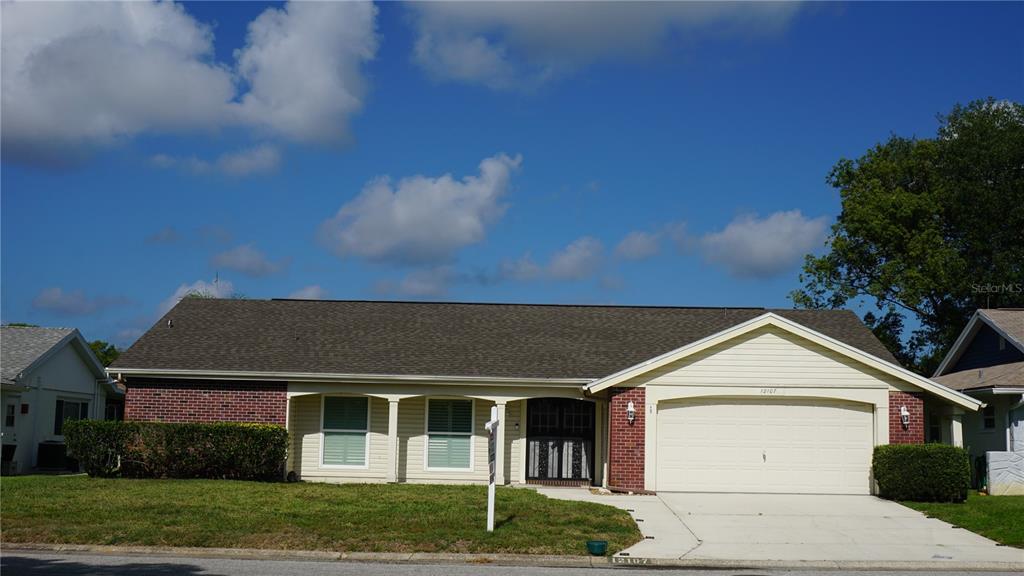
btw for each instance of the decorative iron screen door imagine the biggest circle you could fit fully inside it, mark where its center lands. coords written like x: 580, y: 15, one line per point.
x: 560, y: 439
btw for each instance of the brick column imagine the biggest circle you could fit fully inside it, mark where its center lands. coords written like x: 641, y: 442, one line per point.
x: 913, y: 432
x: 626, y: 440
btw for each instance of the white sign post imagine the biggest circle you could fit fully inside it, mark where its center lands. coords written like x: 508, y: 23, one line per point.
x: 492, y: 449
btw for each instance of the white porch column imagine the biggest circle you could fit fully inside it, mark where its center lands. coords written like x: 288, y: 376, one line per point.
x: 392, y: 472
x: 499, y: 452
x: 956, y: 429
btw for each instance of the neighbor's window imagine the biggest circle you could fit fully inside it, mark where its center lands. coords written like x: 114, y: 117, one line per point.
x: 1002, y: 343
x: 449, y: 433
x: 9, y: 415
x: 934, y: 428
x: 989, y: 417
x: 69, y: 410
x: 346, y: 422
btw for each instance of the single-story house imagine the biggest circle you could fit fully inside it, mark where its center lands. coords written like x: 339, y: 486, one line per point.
x: 629, y: 397
x: 987, y: 363
x: 47, y: 376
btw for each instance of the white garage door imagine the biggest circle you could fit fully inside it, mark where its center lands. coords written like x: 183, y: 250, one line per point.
x: 776, y: 446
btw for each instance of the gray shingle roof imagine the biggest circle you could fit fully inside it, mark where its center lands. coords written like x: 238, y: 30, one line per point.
x: 20, y: 346
x: 999, y: 376
x: 443, y: 339
x: 1009, y: 320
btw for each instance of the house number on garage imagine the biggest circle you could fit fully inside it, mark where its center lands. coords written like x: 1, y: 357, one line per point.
x: 769, y: 391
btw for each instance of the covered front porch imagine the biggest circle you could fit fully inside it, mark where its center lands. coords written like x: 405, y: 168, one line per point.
x: 353, y: 432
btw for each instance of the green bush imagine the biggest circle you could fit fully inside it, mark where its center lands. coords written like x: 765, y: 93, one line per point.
x: 159, y: 450
x: 922, y: 472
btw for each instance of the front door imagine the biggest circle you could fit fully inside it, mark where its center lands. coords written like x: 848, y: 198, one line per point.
x: 560, y: 440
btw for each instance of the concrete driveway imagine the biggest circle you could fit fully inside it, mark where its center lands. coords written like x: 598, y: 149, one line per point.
x: 833, y: 528
x: 849, y: 531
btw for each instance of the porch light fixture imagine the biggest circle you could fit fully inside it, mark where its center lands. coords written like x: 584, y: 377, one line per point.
x: 904, y: 416
x: 630, y: 412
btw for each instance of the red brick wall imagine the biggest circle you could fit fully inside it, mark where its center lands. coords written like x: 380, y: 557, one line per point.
x: 626, y: 441
x: 913, y: 433
x: 206, y: 401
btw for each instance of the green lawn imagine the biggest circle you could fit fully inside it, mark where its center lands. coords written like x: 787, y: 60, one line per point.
x: 1000, y: 518
x: 353, y: 517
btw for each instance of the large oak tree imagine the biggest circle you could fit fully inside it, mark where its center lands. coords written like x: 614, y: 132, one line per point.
x: 930, y: 229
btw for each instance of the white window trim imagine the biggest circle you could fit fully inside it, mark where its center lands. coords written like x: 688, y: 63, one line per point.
x: 995, y: 420
x: 471, y: 434
x: 366, y: 451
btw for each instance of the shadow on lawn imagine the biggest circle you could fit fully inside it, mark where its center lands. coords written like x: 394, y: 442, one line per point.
x: 18, y: 565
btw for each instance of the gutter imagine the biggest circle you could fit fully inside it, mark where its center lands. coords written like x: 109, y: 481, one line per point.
x: 340, y: 377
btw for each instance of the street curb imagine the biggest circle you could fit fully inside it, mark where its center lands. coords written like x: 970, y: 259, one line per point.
x: 535, y: 560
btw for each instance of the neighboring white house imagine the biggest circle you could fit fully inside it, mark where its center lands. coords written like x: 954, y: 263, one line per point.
x: 48, y: 375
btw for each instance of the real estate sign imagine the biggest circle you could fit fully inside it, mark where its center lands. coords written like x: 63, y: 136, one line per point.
x: 492, y: 451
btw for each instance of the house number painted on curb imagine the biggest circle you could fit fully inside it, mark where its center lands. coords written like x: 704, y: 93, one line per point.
x: 769, y: 391
x: 627, y: 560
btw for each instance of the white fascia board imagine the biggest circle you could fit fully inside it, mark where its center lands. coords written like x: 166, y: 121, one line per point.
x: 770, y: 318
x: 1008, y: 390
x: 361, y: 378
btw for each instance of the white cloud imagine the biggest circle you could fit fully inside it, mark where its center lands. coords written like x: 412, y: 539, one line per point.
x: 516, y: 45
x: 522, y: 269
x: 73, y: 303
x: 577, y: 261
x: 251, y: 161
x: 421, y: 283
x: 581, y: 259
x: 313, y: 292
x: 297, y: 77
x: 638, y: 245
x: 215, y: 289
x: 303, y: 65
x: 420, y: 220
x: 750, y: 247
x: 256, y: 160
x: 247, y: 260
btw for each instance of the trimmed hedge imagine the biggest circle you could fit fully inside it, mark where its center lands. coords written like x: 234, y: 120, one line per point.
x: 922, y: 472
x: 193, y: 450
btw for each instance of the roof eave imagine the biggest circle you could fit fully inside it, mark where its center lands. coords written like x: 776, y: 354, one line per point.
x: 343, y: 377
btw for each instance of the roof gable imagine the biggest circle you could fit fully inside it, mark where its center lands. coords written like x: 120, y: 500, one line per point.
x: 22, y: 347
x: 439, y: 339
x: 777, y: 321
x: 1006, y: 323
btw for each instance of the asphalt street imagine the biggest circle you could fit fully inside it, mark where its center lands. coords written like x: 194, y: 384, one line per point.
x: 47, y: 564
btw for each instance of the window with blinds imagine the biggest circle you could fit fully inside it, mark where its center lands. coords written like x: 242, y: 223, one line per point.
x: 69, y: 410
x: 346, y: 424
x: 449, y: 433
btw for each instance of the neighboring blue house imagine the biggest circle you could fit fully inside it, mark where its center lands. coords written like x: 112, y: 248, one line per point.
x: 987, y: 362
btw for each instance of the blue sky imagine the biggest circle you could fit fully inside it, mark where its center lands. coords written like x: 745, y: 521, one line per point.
x: 669, y: 154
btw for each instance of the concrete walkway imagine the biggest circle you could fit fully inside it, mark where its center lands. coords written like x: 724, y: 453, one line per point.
x: 763, y: 528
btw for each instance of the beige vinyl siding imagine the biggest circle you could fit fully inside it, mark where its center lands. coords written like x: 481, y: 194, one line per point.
x: 304, y: 457
x: 304, y: 422
x: 767, y: 357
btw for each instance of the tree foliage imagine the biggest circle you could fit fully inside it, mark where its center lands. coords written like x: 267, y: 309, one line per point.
x: 105, y: 352
x: 930, y: 230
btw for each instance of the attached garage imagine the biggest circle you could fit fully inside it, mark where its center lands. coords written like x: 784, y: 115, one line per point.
x: 790, y: 445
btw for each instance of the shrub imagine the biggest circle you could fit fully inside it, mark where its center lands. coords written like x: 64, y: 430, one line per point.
x: 159, y: 450
x: 922, y: 472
